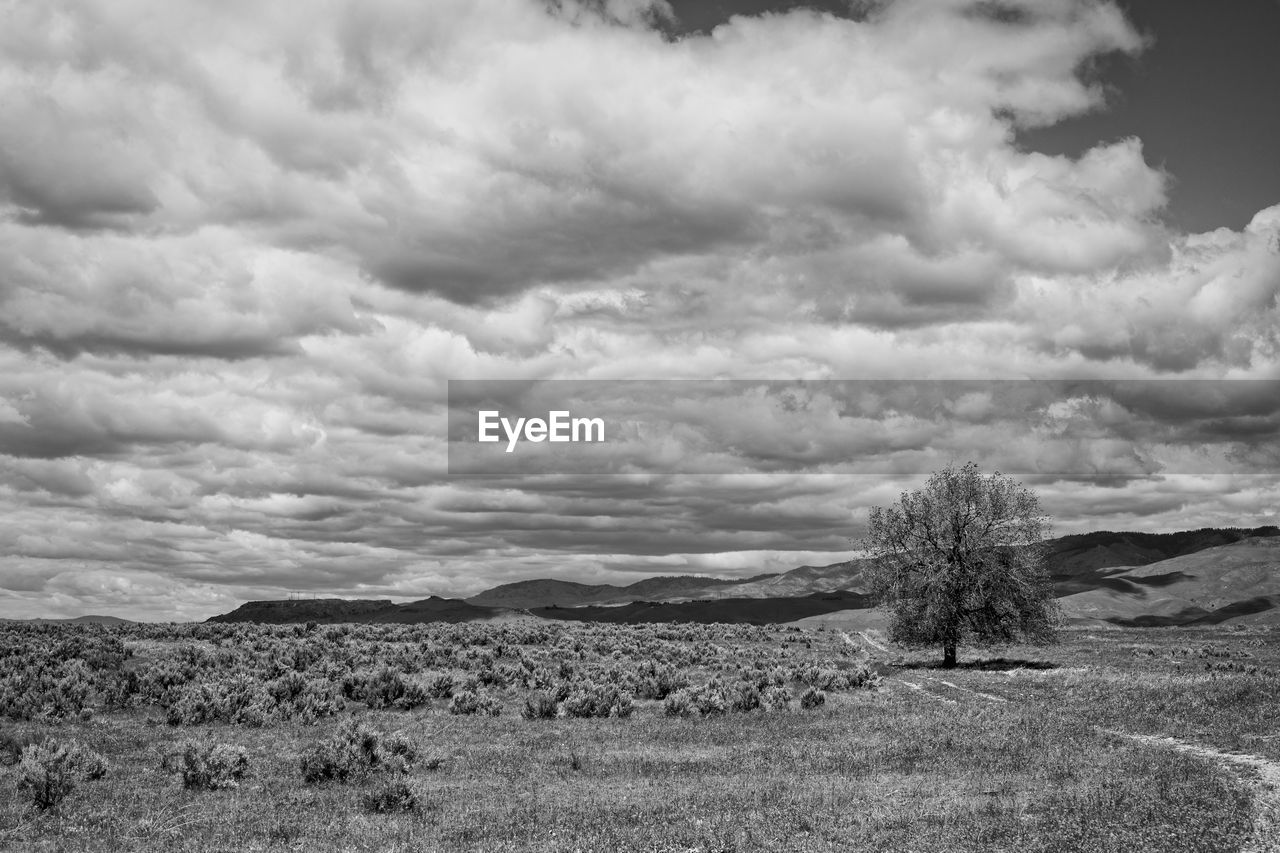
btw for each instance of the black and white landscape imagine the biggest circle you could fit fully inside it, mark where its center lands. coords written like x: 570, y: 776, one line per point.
x: 275, y: 574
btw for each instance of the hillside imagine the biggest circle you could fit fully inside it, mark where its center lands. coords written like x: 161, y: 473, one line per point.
x: 1082, y: 562
x: 1076, y: 563
x: 305, y: 610
x: 77, y: 620
x: 802, y: 581
x: 437, y: 609
x: 1207, y: 575
x: 332, y: 610
x: 754, y: 611
x: 1241, y: 579
x: 558, y: 593
x: 799, y: 582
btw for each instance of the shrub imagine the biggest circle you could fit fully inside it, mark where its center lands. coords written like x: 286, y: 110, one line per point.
x: 776, y: 698
x: 70, y: 695
x: 51, y: 770
x: 12, y: 745
x: 254, y: 714
x: 813, y: 698
x: 822, y: 678
x: 319, y: 699
x: 287, y: 688
x: 356, y: 750
x: 744, y: 696
x: 387, y: 688
x: 539, y: 706
x: 239, y: 699
x: 862, y: 675
x: 660, y: 683
x: 468, y: 702
x: 594, y: 700
x: 679, y: 704
x: 710, y: 700
x: 586, y: 701
x: 211, y: 766
x: 465, y: 702
x: 441, y: 686
x: 390, y: 797
x: 327, y: 761
x: 47, y: 689
x: 415, y: 695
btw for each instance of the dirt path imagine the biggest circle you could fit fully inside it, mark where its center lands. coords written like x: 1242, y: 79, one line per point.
x: 927, y: 692
x: 1260, y: 775
x: 1262, y: 778
x: 866, y: 638
x: 989, y: 696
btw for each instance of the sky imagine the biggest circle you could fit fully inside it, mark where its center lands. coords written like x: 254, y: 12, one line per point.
x: 243, y: 253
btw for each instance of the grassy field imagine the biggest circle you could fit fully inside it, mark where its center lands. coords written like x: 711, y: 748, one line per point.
x: 1218, y: 686
x: 1008, y: 753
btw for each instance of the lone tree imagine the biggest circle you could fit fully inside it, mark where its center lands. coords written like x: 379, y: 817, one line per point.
x: 961, y: 560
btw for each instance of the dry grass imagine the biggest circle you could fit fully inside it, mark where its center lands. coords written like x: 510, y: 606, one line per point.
x: 893, y: 769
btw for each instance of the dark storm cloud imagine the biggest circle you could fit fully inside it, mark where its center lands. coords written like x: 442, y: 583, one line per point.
x: 485, y: 262
x: 77, y: 208
x: 67, y: 171
x: 225, y: 347
x: 59, y: 477
x: 53, y: 431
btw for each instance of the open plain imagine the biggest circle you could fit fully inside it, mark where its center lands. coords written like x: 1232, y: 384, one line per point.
x: 530, y: 735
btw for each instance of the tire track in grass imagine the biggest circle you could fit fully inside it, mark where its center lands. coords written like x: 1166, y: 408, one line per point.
x: 866, y: 638
x: 878, y: 646
x: 1261, y: 777
x: 990, y: 696
x: 927, y: 692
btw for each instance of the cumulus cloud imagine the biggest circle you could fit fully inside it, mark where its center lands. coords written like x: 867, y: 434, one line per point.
x: 1213, y: 302
x: 243, y: 249
x: 205, y: 293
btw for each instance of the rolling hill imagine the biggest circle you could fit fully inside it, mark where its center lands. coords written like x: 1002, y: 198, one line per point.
x: 1192, y: 577
x: 558, y: 593
x: 77, y: 620
x: 1213, y: 585
x: 332, y: 610
x: 1076, y: 563
x: 803, y: 581
x: 1084, y: 561
x: 754, y: 611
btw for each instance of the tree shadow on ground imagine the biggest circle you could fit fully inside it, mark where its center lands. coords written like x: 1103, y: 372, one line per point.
x: 989, y: 665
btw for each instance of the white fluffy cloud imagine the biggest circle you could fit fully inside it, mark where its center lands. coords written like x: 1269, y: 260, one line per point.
x: 242, y: 249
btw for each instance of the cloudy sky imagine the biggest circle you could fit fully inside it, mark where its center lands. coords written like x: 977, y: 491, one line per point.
x: 243, y: 250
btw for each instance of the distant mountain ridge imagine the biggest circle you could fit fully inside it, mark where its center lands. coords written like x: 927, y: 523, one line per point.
x: 548, y: 592
x: 1075, y: 563
x: 1107, y: 549
x: 331, y: 610
x: 1122, y: 578
x: 77, y: 620
x: 805, y: 580
x: 1212, y: 585
x: 1084, y: 561
x: 754, y: 611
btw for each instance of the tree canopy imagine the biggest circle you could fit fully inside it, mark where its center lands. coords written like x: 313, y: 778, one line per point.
x: 961, y: 560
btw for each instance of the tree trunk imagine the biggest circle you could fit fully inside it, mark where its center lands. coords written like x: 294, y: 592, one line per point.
x: 949, y: 655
